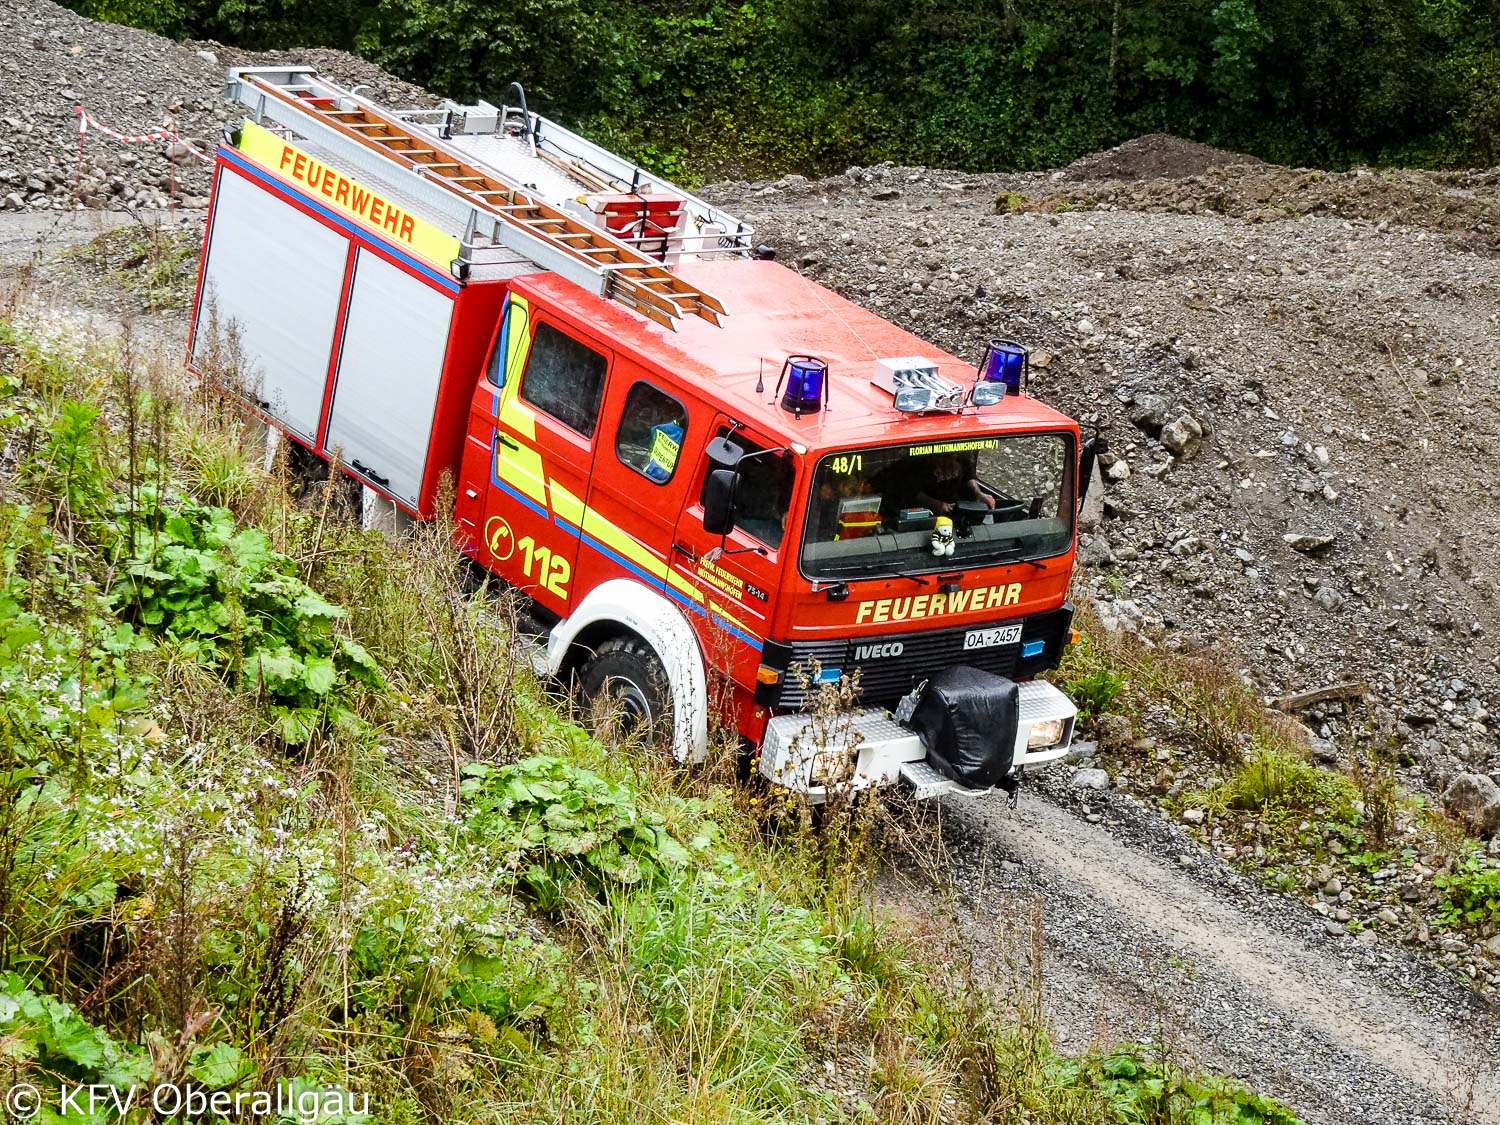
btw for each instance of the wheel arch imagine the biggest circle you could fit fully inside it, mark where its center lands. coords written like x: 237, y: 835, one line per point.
x: 625, y: 607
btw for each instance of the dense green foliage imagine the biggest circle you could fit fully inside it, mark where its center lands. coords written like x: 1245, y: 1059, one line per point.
x: 707, y: 86
x: 223, y: 596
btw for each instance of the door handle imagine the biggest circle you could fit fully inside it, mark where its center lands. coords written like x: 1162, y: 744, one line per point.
x: 506, y: 440
x: 692, y: 555
x: 365, y: 470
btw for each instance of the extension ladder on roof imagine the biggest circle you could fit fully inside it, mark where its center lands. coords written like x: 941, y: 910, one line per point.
x: 365, y: 137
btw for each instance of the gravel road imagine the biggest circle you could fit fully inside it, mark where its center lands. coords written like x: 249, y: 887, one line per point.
x: 34, y: 256
x: 1148, y: 937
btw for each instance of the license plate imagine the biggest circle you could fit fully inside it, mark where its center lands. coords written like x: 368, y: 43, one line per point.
x: 989, y: 638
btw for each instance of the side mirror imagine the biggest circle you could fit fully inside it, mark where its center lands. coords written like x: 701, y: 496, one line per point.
x: 1088, y: 454
x: 719, y: 488
x: 724, y: 453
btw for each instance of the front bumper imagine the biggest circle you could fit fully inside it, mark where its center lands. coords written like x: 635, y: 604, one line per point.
x: 825, y: 755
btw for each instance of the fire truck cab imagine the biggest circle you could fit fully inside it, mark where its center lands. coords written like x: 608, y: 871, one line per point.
x: 770, y: 488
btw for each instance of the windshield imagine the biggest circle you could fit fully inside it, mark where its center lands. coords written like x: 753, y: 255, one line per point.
x: 943, y: 505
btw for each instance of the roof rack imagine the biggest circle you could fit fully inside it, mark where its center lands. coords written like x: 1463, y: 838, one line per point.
x: 425, y: 161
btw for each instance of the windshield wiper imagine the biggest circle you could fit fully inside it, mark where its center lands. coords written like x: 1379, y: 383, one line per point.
x: 917, y: 578
x: 1014, y: 555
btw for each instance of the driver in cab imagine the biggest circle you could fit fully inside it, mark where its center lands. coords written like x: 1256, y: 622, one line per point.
x: 950, y: 480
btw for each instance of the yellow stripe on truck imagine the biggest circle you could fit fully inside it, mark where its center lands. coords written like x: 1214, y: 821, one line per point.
x: 565, y: 504
x: 513, y: 412
x: 729, y: 617
x: 521, y: 468
x: 372, y: 210
x: 518, y: 416
x: 616, y: 540
x: 678, y: 582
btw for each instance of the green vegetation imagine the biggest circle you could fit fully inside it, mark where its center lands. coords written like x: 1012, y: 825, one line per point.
x: 223, y: 597
x: 1141, y: 1088
x: 703, y: 87
x: 1275, y: 781
x: 1472, y: 893
x: 278, y: 805
x: 159, y: 265
x: 1093, y: 691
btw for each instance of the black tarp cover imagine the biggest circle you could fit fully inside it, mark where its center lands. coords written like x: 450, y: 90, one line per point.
x: 967, y: 720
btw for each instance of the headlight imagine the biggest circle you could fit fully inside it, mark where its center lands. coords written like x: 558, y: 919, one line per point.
x: 1048, y: 732
x: 830, y: 767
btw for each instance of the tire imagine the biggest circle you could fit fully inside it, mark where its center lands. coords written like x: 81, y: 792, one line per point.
x: 628, y: 678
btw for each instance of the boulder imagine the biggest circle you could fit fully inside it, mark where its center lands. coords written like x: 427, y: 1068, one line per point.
x: 1150, y: 413
x: 1307, y: 542
x: 1475, y: 800
x: 1091, y: 779
x: 1114, y: 731
x: 1123, y: 616
x: 1092, y: 510
x: 1182, y: 437
x: 1329, y: 598
x: 1096, y: 552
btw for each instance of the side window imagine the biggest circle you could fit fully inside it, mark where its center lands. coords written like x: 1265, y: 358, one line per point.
x: 512, y: 321
x: 565, y: 378
x: 651, y: 429
x: 494, y: 371
x: 765, y: 492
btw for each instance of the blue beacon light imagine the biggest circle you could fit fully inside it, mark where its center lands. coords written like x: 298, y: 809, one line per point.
x: 806, y: 380
x: 1004, y: 365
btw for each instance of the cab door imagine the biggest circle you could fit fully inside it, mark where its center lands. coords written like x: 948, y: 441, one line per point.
x: 552, y: 384
x: 642, y: 477
x: 735, y: 575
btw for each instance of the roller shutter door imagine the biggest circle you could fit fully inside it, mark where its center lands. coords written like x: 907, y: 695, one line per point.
x: 395, y: 337
x: 275, y: 275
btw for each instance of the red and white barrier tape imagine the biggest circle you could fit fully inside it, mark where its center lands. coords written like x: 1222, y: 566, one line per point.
x: 85, y: 122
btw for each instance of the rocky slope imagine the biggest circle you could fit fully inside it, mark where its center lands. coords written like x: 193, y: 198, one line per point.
x: 53, y: 60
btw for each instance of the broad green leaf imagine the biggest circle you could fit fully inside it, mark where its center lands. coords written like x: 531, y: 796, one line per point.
x: 219, y: 1066
x: 319, y: 675
x: 296, y: 724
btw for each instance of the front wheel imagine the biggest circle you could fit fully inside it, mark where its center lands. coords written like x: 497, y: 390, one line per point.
x: 624, y: 681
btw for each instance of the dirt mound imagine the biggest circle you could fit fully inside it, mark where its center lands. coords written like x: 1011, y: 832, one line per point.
x: 53, y: 60
x: 1153, y: 156
x: 1464, y: 204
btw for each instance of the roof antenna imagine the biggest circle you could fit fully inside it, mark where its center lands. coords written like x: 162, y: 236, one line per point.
x: 760, y: 377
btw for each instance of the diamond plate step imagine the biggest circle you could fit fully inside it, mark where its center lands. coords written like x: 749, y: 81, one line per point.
x: 927, y: 782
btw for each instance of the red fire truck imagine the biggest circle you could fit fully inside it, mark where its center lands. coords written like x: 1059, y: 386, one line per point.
x: 692, y: 460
